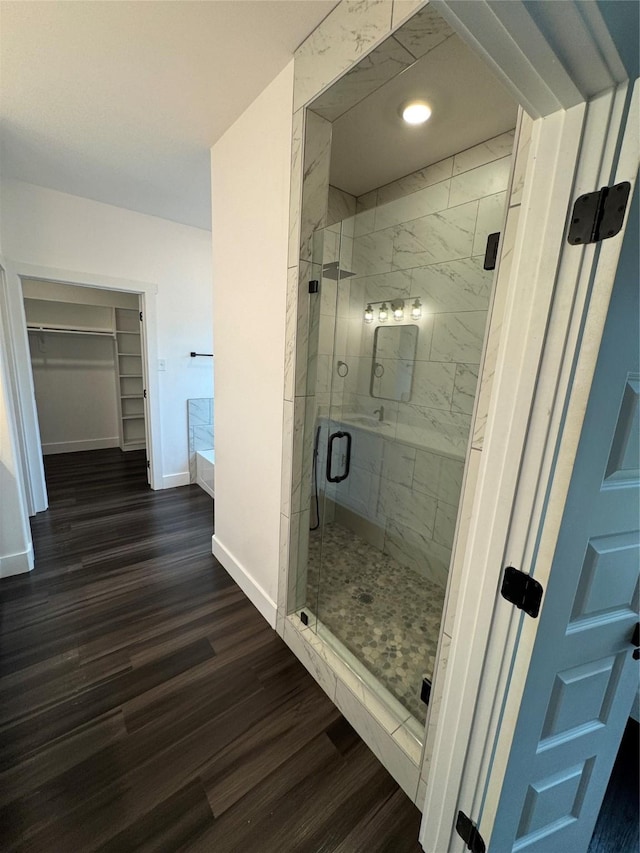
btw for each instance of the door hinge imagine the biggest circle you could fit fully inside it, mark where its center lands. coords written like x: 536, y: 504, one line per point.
x: 148, y: 464
x: 314, y: 286
x: 491, y: 252
x: 598, y: 215
x: 468, y: 832
x: 425, y: 691
x: 141, y: 316
x: 144, y: 393
x: 522, y: 590
x: 635, y: 641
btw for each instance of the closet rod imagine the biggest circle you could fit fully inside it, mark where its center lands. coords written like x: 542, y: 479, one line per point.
x: 69, y: 331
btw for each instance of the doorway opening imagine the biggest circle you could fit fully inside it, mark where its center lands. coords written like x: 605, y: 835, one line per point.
x: 89, y: 367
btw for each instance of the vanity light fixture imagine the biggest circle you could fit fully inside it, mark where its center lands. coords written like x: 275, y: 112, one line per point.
x: 397, y: 308
x: 416, y: 112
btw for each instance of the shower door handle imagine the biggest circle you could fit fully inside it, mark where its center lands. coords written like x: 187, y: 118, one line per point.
x: 347, y: 464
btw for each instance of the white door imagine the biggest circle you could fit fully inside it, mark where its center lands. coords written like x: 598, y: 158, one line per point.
x: 583, y: 678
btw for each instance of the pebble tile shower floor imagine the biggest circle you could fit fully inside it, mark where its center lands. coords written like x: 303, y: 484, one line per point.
x: 386, y: 614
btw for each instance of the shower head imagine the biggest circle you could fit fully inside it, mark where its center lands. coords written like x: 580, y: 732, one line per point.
x: 332, y: 270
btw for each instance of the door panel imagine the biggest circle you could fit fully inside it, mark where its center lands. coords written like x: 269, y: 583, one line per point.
x: 582, y: 678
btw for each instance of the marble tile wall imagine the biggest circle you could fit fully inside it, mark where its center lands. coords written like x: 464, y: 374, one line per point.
x: 315, y: 192
x: 349, y: 32
x: 341, y: 205
x: 200, y: 429
x: 420, y: 242
x: 373, y: 71
x: 407, y: 470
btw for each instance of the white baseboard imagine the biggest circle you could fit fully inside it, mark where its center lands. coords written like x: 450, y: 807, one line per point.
x: 171, y: 481
x: 75, y: 446
x: 16, y: 564
x: 254, y: 592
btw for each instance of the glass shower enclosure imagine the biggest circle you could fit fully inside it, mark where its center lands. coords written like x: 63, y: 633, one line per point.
x: 386, y: 430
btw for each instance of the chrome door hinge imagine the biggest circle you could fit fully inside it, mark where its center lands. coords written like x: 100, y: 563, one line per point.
x: 598, y: 215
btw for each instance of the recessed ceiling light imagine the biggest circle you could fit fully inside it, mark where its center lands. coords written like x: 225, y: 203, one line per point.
x: 417, y: 112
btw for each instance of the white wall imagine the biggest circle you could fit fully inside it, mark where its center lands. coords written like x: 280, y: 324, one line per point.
x: 250, y: 171
x: 75, y: 384
x: 53, y: 230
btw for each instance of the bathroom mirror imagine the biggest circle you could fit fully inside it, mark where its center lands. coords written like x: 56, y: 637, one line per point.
x: 394, y: 352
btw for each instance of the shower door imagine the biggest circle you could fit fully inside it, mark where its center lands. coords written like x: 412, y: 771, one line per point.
x: 369, y: 588
x: 395, y: 338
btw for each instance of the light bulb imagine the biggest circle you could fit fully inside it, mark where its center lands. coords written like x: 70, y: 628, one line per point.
x: 416, y: 310
x: 417, y: 112
x: 368, y: 314
x: 383, y: 314
x: 398, y: 312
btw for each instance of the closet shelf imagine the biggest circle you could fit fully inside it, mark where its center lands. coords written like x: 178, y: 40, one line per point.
x: 129, y: 346
x: 61, y: 331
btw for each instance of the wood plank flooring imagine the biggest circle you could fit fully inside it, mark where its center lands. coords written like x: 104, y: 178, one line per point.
x: 145, y: 704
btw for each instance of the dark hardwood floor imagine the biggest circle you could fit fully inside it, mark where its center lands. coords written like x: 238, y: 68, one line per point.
x: 146, y: 705
x: 618, y: 827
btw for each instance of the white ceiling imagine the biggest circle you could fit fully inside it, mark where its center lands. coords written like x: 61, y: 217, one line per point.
x: 121, y: 101
x: 372, y: 146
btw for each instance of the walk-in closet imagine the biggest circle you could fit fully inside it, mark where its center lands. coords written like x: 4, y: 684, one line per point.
x: 87, y: 362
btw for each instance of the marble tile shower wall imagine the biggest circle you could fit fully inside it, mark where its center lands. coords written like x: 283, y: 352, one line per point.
x: 422, y: 236
x: 341, y: 205
x: 425, y: 235
x: 200, y: 428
